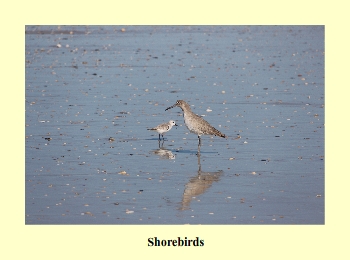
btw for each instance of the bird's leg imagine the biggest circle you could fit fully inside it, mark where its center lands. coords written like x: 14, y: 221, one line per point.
x: 199, y: 140
x: 159, y: 137
x: 199, y: 159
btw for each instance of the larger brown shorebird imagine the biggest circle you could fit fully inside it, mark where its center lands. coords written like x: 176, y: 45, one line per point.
x: 195, y: 123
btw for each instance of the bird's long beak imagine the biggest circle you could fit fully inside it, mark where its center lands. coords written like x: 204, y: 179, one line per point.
x: 170, y: 107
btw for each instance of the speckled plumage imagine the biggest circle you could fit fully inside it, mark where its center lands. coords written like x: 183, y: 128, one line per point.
x: 195, y: 123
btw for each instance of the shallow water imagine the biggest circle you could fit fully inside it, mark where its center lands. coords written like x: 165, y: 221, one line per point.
x: 91, y: 93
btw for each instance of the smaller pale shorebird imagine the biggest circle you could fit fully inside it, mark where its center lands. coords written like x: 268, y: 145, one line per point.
x: 163, y: 128
x: 195, y: 123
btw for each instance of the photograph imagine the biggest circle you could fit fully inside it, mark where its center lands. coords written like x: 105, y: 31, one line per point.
x: 175, y: 125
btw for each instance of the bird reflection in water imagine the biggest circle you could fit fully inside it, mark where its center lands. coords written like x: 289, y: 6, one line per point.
x: 199, y: 184
x: 162, y: 152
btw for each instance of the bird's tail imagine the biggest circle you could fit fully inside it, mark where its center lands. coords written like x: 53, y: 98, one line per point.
x: 218, y: 133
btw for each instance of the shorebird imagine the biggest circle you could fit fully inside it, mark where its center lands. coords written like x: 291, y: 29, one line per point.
x: 163, y: 128
x: 195, y: 123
